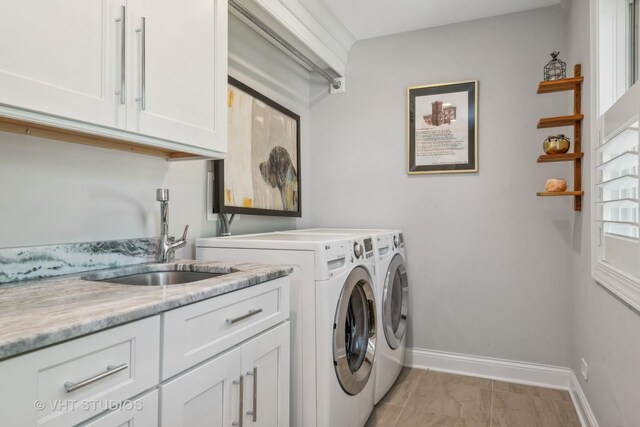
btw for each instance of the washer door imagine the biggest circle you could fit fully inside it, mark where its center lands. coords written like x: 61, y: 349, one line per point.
x: 354, y: 332
x: 395, y: 302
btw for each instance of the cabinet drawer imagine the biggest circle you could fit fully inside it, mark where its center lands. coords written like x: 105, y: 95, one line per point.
x: 139, y: 412
x: 73, y: 381
x: 194, y: 333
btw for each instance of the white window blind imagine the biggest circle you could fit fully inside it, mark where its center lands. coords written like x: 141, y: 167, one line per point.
x: 616, y: 163
x: 617, y: 175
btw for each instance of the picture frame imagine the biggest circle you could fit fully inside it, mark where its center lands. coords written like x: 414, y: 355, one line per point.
x: 442, y: 128
x: 261, y: 173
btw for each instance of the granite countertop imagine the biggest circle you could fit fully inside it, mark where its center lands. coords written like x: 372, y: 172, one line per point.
x: 38, y: 314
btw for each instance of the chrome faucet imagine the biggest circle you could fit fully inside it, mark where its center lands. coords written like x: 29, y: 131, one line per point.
x: 167, y: 244
x: 225, y: 224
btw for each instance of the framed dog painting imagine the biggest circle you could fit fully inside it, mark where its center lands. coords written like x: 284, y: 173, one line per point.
x: 261, y: 173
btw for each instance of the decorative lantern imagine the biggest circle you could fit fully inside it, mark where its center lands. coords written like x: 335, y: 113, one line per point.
x: 555, y: 69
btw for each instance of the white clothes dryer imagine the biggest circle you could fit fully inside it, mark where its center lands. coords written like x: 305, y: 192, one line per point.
x: 392, y: 289
x: 333, y: 319
x: 393, y: 296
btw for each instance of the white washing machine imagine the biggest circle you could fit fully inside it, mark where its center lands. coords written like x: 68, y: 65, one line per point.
x: 392, y: 288
x: 333, y: 319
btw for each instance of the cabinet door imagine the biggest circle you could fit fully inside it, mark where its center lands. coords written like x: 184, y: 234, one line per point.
x: 179, y: 59
x: 265, y: 363
x: 62, y: 57
x: 208, y: 396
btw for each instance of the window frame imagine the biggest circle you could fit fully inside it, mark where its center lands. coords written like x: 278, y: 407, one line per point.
x: 613, y: 82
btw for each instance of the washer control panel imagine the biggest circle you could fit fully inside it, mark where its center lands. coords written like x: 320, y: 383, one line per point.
x: 362, y: 249
x: 357, y: 250
x: 368, y: 248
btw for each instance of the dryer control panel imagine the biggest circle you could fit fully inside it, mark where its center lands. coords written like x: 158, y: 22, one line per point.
x: 398, y: 240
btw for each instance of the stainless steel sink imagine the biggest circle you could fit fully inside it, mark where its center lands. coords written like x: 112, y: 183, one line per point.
x: 160, y: 278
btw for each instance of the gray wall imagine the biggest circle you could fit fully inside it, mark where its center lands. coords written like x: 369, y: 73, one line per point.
x: 56, y: 192
x: 605, y: 331
x: 488, y: 260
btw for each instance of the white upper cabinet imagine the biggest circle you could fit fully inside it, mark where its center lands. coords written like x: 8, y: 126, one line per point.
x: 91, y: 66
x: 179, y: 71
x: 61, y: 57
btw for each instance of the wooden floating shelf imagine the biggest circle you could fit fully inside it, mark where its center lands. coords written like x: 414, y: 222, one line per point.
x: 560, y: 85
x: 560, y: 193
x: 554, y: 122
x: 567, y: 157
x: 573, y: 84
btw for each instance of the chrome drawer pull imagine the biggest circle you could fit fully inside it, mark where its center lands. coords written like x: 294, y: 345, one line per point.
x: 111, y: 369
x: 123, y: 54
x: 254, y: 412
x: 240, y: 422
x: 244, y: 316
x: 142, y: 99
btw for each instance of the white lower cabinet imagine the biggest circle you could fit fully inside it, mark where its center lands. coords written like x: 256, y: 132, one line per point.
x: 247, y: 386
x: 225, y: 364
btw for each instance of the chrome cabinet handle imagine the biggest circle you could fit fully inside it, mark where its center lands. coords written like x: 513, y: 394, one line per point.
x: 69, y: 386
x: 143, y: 64
x: 123, y: 55
x: 240, y: 381
x: 244, y: 316
x: 254, y: 412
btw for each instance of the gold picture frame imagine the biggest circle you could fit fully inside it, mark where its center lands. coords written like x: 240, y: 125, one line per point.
x: 442, y: 128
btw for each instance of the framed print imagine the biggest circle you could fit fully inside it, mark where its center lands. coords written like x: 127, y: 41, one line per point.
x: 443, y: 128
x: 261, y: 173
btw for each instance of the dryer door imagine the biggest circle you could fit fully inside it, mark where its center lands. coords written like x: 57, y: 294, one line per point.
x: 354, y: 332
x: 395, y: 302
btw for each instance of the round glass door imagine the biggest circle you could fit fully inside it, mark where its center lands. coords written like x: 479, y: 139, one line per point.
x: 395, y: 302
x: 354, y: 332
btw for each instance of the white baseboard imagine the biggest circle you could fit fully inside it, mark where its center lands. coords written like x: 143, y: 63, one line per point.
x: 587, y: 417
x: 505, y: 370
x: 487, y: 367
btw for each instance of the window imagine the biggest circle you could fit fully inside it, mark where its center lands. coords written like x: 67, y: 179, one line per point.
x: 616, y: 163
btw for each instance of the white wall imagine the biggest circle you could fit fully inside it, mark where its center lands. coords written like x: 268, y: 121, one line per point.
x: 57, y: 192
x: 488, y: 260
x: 606, y: 332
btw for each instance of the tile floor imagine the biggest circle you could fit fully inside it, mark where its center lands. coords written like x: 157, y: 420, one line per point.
x: 435, y: 399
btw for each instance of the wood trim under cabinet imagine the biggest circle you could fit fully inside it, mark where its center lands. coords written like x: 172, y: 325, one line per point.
x: 37, y: 130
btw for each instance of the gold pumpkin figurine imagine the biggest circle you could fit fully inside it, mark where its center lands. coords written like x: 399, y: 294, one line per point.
x: 556, y: 144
